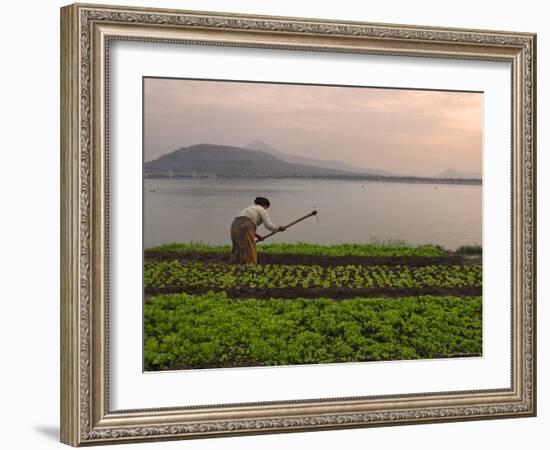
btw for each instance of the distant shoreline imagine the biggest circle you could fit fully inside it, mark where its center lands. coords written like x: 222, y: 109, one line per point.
x: 376, y: 178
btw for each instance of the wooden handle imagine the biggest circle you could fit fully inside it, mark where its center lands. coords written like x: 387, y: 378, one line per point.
x: 312, y: 213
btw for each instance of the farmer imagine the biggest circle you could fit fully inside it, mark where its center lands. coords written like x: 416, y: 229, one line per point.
x: 243, y: 231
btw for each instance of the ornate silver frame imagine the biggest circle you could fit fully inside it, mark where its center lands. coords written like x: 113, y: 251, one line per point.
x: 86, y: 31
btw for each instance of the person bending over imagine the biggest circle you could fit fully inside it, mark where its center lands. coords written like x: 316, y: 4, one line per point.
x: 243, y: 231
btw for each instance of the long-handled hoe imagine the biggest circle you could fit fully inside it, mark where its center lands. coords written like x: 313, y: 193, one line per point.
x: 311, y: 214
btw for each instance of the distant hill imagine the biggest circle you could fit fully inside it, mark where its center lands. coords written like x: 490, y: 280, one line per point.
x: 260, y: 145
x: 222, y: 160
x: 451, y: 173
x: 211, y: 160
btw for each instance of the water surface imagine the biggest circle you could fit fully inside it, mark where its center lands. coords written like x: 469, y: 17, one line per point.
x: 186, y: 210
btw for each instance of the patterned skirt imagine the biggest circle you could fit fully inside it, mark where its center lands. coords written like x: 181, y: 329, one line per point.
x: 243, y: 238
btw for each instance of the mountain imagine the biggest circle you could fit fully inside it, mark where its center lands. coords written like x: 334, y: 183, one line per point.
x: 451, y: 173
x: 211, y: 160
x: 260, y: 145
x: 223, y: 160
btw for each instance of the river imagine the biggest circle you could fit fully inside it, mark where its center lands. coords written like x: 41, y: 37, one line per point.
x: 201, y: 210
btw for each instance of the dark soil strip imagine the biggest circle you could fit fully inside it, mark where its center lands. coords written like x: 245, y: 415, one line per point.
x: 332, y: 293
x: 268, y: 258
x: 229, y: 364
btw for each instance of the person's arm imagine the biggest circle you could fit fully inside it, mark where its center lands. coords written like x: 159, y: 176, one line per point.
x: 266, y: 220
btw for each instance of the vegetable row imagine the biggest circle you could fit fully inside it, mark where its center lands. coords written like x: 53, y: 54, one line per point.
x: 188, y: 331
x: 168, y: 274
x: 383, y: 249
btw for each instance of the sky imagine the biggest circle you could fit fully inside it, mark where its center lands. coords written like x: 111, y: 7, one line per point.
x: 403, y: 131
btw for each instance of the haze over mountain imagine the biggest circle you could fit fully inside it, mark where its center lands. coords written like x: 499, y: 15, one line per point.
x: 223, y: 160
x: 212, y: 160
x: 263, y: 146
x: 451, y: 173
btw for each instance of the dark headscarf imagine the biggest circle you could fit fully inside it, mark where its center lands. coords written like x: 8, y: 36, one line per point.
x: 262, y: 201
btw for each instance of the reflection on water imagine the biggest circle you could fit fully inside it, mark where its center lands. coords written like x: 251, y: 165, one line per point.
x: 188, y: 210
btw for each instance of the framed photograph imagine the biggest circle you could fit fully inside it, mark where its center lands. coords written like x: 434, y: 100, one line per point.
x: 276, y: 224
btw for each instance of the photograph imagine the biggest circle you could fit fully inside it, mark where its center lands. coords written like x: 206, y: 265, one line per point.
x: 288, y: 223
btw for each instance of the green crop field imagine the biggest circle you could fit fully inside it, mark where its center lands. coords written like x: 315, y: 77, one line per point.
x: 392, y: 303
x: 174, y: 273
x: 212, y: 330
x: 396, y: 249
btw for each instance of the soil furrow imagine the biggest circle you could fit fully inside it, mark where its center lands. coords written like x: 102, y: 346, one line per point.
x: 230, y: 363
x: 340, y: 293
